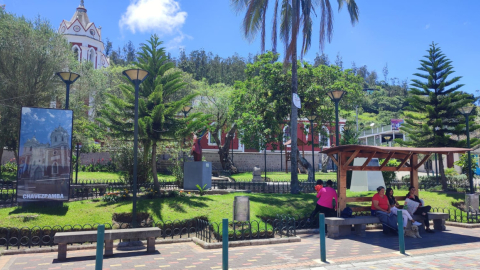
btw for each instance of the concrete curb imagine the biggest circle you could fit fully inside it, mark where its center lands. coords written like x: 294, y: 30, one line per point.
x: 201, y: 243
x: 83, y: 247
x: 243, y: 243
x: 463, y: 225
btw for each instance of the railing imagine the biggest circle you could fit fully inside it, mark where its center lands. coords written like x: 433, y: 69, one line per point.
x: 376, y: 130
x: 266, y: 187
x: 198, y: 227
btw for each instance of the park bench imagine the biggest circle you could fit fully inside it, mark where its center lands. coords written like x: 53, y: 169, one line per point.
x: 337, y: 226
x: 64, y: 238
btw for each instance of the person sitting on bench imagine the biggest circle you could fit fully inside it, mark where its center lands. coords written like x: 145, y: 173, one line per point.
x: 381, y: 209
x: 421, y: 210
x: 394, y: 208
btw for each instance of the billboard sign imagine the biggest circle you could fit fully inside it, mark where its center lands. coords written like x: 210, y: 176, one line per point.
x: 396, y: 123
x: 45, y: 152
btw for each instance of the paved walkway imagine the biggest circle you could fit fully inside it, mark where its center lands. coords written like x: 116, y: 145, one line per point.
x: 376, y: 250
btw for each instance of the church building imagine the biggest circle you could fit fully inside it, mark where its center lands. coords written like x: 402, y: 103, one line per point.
x: 85, y: 38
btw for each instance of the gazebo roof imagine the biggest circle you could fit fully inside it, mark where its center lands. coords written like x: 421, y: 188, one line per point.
x: 387, y: 153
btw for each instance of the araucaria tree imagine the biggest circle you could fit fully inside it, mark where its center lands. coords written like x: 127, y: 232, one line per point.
x: 159, y: 113
x: 432, y: 117
x: 295, y: 15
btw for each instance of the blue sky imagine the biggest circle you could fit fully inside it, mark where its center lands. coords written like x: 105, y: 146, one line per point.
x: 393, y: 32
x: 41, y: 122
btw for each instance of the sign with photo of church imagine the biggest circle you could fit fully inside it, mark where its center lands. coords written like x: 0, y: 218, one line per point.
x: 45, y: 152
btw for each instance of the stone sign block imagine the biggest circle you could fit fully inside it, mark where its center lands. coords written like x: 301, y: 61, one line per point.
x: 241, y: 208
x: 197, y: 173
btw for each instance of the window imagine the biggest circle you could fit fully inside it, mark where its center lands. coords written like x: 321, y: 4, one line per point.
x: 211, y: 141
x: 30, y: 149
x: 286, y: 134
x: 55, y: 168
x: 76, y: 52
x: 62, y: 139
x: 91, y: 56
x: 324, y: 137
x: 55, y: 138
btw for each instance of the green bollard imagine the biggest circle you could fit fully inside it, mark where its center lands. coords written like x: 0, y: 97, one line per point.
x: 401, y: 238
x: 323, y: 250
x: 100, y: 239
x: 225, y: 244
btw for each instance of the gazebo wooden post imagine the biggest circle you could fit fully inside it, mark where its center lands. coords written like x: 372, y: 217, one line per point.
x: 342, y: 181
x: 414, y: 172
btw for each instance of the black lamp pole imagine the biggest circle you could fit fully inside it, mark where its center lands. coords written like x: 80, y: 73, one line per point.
x: 336, y: 96
x: 68, y: 78
x: 466, y: 111
x: 136, y: 76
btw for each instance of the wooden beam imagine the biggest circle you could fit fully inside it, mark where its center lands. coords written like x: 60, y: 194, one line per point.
x: 404, y: 161
x: 352, y: 157
x: 423, y: 161
x: 369, y: 199
x: 342, y: 183
x: 334, y: 160
x: 414, y: 173
x: 368, y: 160
x: 386, y: 160
x: 377, y: 169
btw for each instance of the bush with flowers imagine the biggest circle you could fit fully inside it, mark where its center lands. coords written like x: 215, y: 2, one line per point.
x: 151, y: 193
x: 113, y: 197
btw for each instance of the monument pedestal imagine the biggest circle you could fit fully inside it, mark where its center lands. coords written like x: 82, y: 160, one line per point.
x: 197, y: 173
x: 471, y: 202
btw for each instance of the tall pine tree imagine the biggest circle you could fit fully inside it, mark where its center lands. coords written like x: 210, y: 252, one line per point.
x: 432, y: 117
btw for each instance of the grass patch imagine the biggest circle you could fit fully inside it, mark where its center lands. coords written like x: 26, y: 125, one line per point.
x: 107, y: 176
x: 283, y: 177
x: 214, y: 207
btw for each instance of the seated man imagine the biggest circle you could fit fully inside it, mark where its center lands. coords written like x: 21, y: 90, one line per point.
x: 381, y: 209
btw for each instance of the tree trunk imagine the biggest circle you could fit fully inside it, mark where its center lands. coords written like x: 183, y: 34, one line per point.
x: 154, y: 167
x: 1, y: 155
x: 295, y: 189
x: 441, y: 169
x: 307, y: 166
x: 224, y: 150
x: 15, y: 153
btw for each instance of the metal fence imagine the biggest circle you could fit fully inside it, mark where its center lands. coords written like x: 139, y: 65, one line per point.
x: 200, y: 228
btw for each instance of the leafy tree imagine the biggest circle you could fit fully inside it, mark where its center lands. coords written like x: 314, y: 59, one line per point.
x: 294, y: 15
x: 432, y: 118
x: 216, y: 101
x: 30, y: 54
x: 159, y: 115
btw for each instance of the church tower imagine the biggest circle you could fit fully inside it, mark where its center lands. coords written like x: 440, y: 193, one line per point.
x: 85, y: 38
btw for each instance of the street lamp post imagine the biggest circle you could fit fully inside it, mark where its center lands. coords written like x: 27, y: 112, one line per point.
x: 466, y: 111
x: 312, y: 118
x: 336, y: 96
x: 136, y: 76
x: 68, y: 78
x: 387, y: 138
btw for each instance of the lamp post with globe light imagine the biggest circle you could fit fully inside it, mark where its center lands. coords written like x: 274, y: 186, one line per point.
x: 136, y: 76
x: 336, y: 96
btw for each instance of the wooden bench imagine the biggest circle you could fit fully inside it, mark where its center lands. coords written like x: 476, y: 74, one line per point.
x: 64, y: 238
x: 337, y: 227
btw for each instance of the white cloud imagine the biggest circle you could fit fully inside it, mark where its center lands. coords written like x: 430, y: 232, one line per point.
x: 160, y: 16
x: 51, y: 115
x: 26, y: 111
x: 176, y: 42
x: 427, y: 26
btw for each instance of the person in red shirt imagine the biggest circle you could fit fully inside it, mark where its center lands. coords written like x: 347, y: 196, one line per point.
x: 381, y: 209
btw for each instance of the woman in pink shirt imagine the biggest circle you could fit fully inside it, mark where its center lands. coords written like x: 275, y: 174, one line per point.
x: 324, y: 203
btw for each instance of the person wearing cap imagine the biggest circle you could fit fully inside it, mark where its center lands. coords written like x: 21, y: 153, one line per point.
x: 381, y: 209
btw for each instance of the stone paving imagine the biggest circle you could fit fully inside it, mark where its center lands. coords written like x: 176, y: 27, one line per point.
x: 451, y: 249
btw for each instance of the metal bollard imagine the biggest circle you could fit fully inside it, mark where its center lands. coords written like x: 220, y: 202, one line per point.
x: 401, y: 238
x: 100, y: 239
x: 323, y: 250
x: 225, y: 244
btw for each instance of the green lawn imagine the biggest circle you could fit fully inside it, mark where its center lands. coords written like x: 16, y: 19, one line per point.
x: 434, y: 199
x: 214, y: 207
x: 283, y: 177
x: 105, y: 176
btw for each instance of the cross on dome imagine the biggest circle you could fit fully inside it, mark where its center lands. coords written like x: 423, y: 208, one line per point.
x: 82, y: 4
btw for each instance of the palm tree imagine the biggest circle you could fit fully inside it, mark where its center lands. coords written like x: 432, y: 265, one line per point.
x: 293, y: 15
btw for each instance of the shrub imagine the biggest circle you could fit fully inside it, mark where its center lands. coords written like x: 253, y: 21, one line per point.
x: 111, y: 197
x: 9, y: 167
x: 173, y: 193
x: 124, y: 157
x: 389, y: 177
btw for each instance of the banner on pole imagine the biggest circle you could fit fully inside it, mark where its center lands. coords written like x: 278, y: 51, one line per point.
x: 45, y: 152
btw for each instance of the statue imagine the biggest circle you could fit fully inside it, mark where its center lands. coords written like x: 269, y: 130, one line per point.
x: 197, y: 147
x: 257, y: 175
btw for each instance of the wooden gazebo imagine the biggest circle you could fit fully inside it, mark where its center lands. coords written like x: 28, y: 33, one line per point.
x: 344, y: 155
